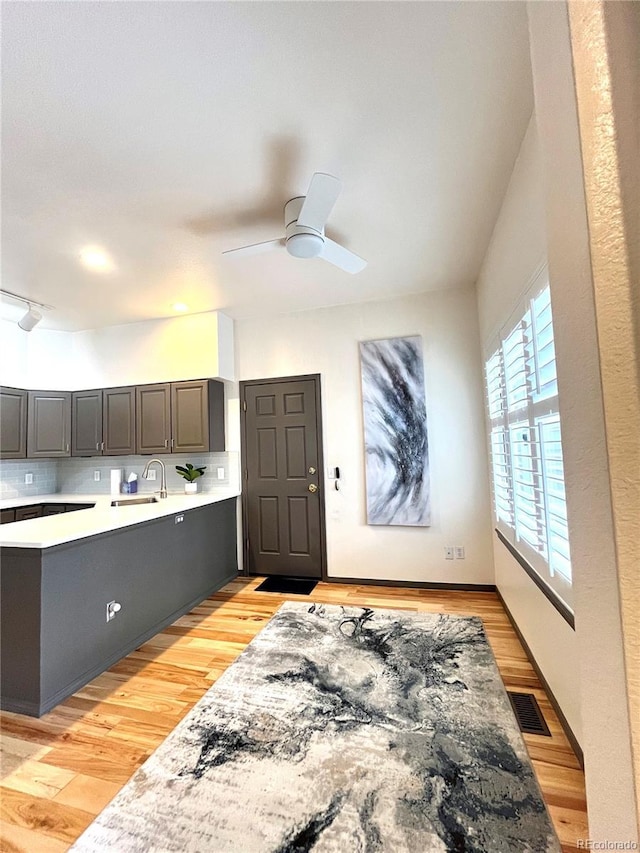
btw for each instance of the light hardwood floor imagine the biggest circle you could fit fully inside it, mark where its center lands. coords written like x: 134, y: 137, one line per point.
x: 59, y: 771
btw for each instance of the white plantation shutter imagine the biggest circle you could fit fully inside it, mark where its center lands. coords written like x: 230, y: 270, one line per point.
x: 501, y: 464
x: 525, y: 443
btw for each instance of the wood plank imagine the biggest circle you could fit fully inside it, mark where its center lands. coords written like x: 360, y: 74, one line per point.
x: 18, y: 839
x: 88, y: 793
x: 38, y: 778
x: 43, y: 816
x: 101, y: 734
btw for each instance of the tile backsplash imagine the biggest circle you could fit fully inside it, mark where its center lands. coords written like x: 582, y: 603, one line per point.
x: 12, y: 474
x: 75, y: 475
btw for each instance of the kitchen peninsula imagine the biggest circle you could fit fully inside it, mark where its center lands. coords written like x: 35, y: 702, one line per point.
x: 82, y: 589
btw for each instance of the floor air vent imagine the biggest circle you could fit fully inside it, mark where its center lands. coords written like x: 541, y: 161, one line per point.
x: 528, y: 714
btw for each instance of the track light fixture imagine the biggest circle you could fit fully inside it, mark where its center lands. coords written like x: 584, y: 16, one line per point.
x: 33, y: 316
x: 30, y: 319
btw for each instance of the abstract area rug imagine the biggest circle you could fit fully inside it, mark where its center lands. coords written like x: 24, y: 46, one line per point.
x: 341, y: 730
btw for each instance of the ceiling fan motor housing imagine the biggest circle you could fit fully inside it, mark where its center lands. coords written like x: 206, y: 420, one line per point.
x: 301, y: 241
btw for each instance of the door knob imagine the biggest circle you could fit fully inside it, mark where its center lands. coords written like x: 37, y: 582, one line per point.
x: 313, y: 487
x: 312, y: 470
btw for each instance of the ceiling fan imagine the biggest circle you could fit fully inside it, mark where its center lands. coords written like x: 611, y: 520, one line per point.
x: 304, y: 221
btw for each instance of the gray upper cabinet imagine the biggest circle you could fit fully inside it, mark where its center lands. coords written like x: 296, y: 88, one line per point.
x: 86, y: 423
x: 153, y: 421
x: 197, y: 416
x: 119, y: 421
x: 13, y: 423
x: 172, y: 417
x: 48, y: 424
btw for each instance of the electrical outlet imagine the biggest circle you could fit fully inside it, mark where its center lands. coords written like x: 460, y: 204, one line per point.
x: 28, y: 479
x: 448, y: 552
x: 113, y: 607
x: 151, y: 474
x: 221, y: 473
x: 96, y: 476
x: 459, y: 549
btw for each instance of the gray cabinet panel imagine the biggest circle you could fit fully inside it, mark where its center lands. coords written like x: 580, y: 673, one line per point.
x: 61, y: 640
x: 190, y: 416
x: 24, y: 513
x: 13, y: 423
x: 48, y: 424
x: 197, y: 415
x: 119, y: 421
x: 86, y: 423
x: 153, y: 418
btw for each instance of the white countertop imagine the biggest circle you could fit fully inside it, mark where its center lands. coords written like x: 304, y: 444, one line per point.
x: 66, y: 527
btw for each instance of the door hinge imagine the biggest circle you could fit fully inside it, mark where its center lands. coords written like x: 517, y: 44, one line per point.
x: 244, y: 405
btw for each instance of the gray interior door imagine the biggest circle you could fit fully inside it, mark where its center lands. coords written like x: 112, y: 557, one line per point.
x: 283, y: 501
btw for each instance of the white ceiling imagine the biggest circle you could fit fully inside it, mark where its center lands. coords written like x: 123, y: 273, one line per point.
x: 166, y: 132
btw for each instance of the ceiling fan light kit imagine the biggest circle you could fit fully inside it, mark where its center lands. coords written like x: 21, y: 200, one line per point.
x: 304, y: 220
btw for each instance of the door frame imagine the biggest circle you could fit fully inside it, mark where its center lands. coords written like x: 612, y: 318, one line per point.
x: 316, y: 378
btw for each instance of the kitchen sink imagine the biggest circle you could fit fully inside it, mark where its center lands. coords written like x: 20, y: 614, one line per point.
x: 132, y: 501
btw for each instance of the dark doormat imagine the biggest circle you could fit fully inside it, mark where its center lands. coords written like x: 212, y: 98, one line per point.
x: 290, y: 586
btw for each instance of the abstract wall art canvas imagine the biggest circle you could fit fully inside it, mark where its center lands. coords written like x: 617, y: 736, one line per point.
x: 395, y: 432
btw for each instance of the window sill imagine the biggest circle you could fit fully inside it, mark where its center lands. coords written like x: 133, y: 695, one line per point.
x: 544, y: 588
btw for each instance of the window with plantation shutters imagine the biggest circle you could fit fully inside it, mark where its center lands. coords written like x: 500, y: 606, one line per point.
x: 526, y: 443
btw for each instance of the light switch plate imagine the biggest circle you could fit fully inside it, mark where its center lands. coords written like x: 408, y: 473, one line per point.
x: 151, y: 474
x: 448, y: 552
x: 221, y: 473
x: 459, y: 549
x: 96, y: 476
x: 28, y: 479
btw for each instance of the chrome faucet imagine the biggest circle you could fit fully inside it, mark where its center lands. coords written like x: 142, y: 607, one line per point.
x: 163, y: 482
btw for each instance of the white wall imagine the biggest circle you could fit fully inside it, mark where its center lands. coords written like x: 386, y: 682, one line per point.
x: 195, y: 346
x: 40, y: 359
x: 605, y: 39
x: 582, y: 359
x: 517, y: 248
x: 325, y: 341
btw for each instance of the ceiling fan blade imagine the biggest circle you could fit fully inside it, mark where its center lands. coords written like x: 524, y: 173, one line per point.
x: 321, y: 196
x: 256, y: 248
x: 341, y: 257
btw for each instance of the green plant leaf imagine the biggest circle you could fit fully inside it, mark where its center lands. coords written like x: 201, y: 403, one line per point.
x: 190, y: 473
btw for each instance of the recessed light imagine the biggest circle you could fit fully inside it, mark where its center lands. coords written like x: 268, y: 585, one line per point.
x: 180, y: 306
x: 96, y: 259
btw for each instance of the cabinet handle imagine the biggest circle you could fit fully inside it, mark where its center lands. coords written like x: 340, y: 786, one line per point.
x: 166, y: 442
x: 67, y: 447
x: 97, y: 445
x: 172, y: 442
x: 102, y: 445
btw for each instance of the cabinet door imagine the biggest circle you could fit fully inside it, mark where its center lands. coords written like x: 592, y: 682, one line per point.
x: 13, y: 423
x: 190, y: 416
x: 7, y: 516
x: 86, y: 423
x: 153, y: 418
x: 53, y: 509
x: 119, y: 421
x: 24, y: 513
x: 48, y: 424
x: 197, y: 414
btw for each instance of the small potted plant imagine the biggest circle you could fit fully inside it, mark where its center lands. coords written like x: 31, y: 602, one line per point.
x: 190, y: 475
